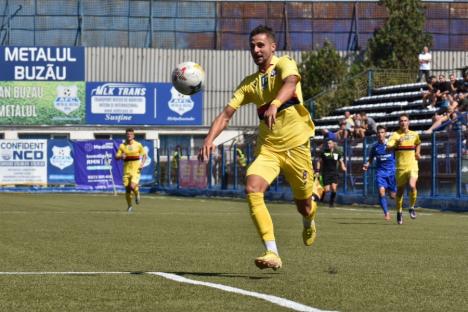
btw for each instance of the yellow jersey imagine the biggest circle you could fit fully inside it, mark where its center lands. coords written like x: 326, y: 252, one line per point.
x: 405, y: 151
x: 133, y: 153
x: 293, y: 126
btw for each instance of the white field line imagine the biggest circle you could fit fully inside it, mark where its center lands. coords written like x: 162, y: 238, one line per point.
x: 174, y: 277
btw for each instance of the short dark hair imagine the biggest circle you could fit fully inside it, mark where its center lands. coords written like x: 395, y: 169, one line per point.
x: 263, y: 29
x: 129, y: 130
x: 403, y: 115
x: 379, y: 127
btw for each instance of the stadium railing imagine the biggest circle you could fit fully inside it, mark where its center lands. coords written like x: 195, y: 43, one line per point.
x: 443, y: 168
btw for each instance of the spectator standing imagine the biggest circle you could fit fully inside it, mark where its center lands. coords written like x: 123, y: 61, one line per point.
x: 425, y: 60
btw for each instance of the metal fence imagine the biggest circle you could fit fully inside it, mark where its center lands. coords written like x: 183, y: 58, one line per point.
x: 220, y: 25
x: 443, y: 168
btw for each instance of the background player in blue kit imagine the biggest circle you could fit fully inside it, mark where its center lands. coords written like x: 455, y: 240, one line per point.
x: 385, y: 169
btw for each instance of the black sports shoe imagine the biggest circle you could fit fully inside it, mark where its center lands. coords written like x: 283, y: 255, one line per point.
x: 412, y: 213
x: 399, y: 217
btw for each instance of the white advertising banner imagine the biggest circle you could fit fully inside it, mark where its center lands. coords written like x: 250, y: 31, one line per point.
x: 23, y: 162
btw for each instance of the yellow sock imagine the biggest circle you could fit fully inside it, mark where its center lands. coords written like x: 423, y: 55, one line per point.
x: 399, y: 202
x: 412, y: 198
x: 260, y: 216
x: 128, y: 197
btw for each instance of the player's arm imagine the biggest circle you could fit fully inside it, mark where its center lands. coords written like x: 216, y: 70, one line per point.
x: 392, y: 142
x: 219, y: 124
x: 120, y: 154
x: 287, y: 91
x: 417, y: 154
x: 342, y: 165
x: 367, y: 164
x: 369, y: 161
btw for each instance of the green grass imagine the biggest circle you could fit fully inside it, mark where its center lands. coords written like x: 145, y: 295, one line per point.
x: 358, y: 263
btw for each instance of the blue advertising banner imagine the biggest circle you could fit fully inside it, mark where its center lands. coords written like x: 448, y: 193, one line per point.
x: 60, y: 168
x: 147, y: 174
x: 141, y: 104
x: 95, y: 165
x: 42, y: 63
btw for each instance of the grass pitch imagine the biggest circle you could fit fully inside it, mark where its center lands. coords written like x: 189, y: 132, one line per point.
x: 358, y: 263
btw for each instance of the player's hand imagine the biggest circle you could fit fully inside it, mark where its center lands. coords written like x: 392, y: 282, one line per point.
x: 205, y: 151
x: 270, y: 116
x: 365, y: 167
x: 124, y: 156
x: 417, y: 156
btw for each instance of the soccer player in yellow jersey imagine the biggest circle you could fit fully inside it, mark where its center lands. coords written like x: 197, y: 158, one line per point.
x: 283, y: 139
x: 407, y: 146
x: 134, y: 156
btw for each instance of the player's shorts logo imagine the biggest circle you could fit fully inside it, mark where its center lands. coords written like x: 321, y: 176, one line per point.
x: 305, y: 175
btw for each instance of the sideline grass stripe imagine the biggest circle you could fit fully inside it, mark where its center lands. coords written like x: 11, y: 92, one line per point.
x: 174, y: 277
x: 273, y: 299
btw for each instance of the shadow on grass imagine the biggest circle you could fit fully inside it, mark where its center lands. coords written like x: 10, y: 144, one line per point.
x: 230, y: 275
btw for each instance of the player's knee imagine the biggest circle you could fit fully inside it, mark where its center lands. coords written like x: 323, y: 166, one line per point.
x: 251, y: 188
x: 255, y: 185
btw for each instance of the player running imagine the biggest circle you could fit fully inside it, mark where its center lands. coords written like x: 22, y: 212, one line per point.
x: 134, y: 156
x: 283, y: 139
x: 385, y: 169
x: 407, y: 146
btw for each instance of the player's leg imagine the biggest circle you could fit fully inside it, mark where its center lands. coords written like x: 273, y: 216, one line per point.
x: 383, y: 202
x: 136, y: 186
x: 298, y: 172
x: 382, y: 187
x: 128, y: 193
x: 326, y: 189
x: 413, y: 193
x: 402, y: 181
x: 260, y: 174
x: 334, y: 187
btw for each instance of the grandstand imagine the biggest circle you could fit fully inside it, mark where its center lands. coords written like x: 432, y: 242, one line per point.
x: 384, y: 106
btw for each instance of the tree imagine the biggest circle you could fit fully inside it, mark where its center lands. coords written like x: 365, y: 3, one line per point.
x: 325, y: 70
x: 320, y: 69
x: 396, y: 45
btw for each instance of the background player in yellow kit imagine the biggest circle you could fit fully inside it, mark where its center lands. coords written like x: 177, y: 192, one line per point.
x: 407, y: 146
x: 283, y: 139
x: 134, y: 156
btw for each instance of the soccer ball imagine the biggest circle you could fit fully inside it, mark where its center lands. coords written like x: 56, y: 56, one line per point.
x: 188, y: 78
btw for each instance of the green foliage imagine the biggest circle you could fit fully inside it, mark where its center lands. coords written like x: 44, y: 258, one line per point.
x: 397, y: 44
x: 325, y: 70
x: 320, y: 69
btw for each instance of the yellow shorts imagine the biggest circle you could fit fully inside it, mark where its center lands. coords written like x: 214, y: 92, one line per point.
x: 403, y: 176
x: 131, y: 177
x: 295, y: 163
